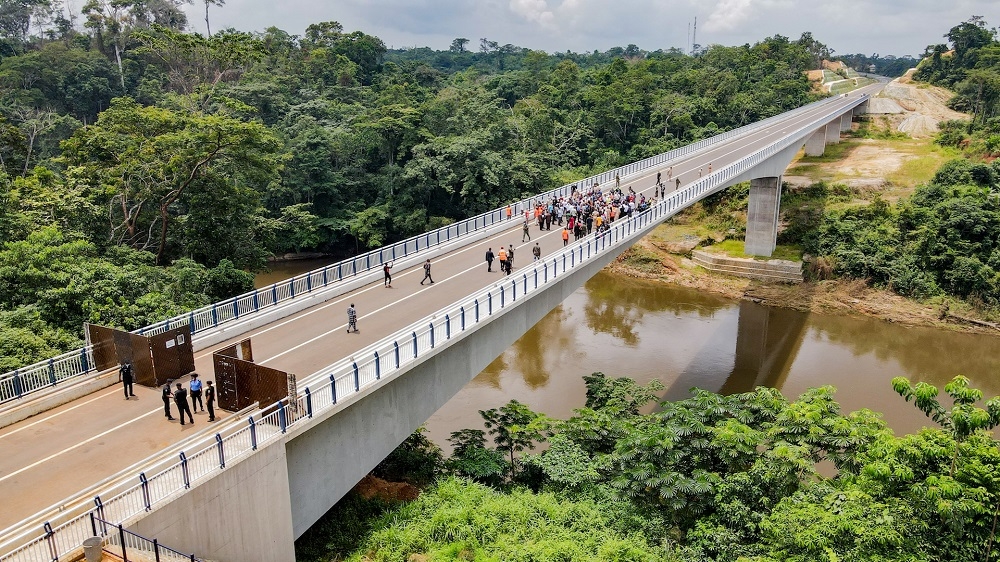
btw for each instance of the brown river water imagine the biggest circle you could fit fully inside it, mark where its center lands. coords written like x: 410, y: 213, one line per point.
x: 685, y: 338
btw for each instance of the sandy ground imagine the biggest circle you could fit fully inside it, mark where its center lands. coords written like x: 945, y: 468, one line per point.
x: 914, y: 108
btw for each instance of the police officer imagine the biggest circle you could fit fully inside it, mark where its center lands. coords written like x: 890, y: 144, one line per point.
x: 181, y: 400
x: 196, y: 387
x: 125, y: 375
x: 210, y: 400
x: 167, y: 394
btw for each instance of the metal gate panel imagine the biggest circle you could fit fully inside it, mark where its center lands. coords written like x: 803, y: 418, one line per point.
x: 172, y: 354
x: 103, y: 341
x: 272, y: 385
x: 142, y: 360
x: 225, y: 382
x: 153, y: 363
x: 241, y: 382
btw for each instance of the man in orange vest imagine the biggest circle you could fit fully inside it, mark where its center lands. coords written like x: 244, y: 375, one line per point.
x: 565, y: 236
x: 502, y: 256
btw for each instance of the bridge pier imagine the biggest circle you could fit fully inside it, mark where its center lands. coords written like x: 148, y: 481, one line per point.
x: 762, y: 216
x: 845, y: 122
x: 861, y: 109
x: 816, y: 145
x: 833, y: 132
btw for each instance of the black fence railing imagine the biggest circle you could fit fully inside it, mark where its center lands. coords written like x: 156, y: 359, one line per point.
x: 118, y: 541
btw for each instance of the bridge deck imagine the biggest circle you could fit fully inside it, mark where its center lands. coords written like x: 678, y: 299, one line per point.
x: 55, y: 455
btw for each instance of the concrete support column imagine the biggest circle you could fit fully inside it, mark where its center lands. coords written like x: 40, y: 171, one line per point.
x: 833, y: 133
x: 862, y: 109
x: 762, y: 216
x: 816, y: 145
x: 845, y: 122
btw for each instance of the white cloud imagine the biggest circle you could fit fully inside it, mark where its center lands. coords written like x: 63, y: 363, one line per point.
x: 536, y: 11
x: 728, y: 14
x: 848, y: 26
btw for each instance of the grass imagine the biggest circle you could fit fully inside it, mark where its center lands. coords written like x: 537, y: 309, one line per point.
x: 735, y: 249
x: 832, y: 153
x: 927, y: 158
x: 920, y: 159
x: 643, y: 260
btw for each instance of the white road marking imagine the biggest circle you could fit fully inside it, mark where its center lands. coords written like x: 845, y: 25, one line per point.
x: 78, y: 445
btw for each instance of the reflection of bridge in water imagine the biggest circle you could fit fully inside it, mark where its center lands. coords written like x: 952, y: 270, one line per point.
x: 248, y: 491
x: 767, y: 341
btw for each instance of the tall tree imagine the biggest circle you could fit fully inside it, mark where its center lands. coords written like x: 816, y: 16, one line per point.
x: 149, y: 158
x: 208, y: 26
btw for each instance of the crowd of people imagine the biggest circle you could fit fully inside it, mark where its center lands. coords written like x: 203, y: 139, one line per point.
x: 585, y: 211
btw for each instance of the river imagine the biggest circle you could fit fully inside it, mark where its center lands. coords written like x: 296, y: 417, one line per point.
x: 649, y: 330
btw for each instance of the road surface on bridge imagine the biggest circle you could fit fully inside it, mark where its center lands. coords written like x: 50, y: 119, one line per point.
x: 62, y: 452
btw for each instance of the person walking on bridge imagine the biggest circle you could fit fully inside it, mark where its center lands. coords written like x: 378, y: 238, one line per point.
x: 489, y: 259
x: 167, y: 395
x: 537, y: 252
x: 388, y: 276
x: 181, y: 400
x: 502, y: 256
x: 510, y: 211
x: 510, y: 258
x: 352, y: 318
x: 678, y: 185
x: 565, y: 236
x: 524, y: 231
x: 657, y: 178
x: 427, y: 271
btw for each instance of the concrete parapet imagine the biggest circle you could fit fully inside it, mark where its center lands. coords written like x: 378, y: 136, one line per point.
x: 771, y: 270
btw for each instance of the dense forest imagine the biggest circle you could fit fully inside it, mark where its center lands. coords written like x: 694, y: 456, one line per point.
x: 146, y: 170
x: 749, y: 477
x: 970, y: 65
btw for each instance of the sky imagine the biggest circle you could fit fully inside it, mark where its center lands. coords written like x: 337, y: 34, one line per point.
x: 886, y: 27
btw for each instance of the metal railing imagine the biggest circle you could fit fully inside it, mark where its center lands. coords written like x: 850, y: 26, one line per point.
x: 119, y: 541
x: 382, y: 360
x: 16, y: 384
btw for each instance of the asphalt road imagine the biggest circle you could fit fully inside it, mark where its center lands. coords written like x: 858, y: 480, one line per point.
x: 53, y: 456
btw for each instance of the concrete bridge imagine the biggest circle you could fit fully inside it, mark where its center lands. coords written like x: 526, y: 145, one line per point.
x: 246, y: 488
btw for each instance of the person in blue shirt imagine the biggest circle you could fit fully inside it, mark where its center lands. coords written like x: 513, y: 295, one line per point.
x: 195, y: 387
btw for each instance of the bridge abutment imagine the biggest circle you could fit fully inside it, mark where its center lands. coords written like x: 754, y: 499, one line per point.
x: 241, y: 513
x: 762, y: 216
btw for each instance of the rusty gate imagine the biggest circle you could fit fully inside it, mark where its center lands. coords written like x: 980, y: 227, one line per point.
x: 241, y: 382
x: 155, y: 359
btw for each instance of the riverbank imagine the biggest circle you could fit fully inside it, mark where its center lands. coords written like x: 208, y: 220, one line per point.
x: 653, y: 258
